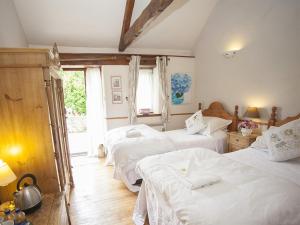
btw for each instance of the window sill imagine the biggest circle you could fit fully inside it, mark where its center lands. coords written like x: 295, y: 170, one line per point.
x: 148, y: 115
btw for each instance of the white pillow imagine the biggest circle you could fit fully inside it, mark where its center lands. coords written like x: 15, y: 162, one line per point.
x: 284, y: 142
x: 195, y: 123
x: 214, y: 124
x: 260, y: 143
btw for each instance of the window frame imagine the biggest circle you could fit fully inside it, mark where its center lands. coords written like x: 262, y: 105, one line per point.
x: 151, y: 114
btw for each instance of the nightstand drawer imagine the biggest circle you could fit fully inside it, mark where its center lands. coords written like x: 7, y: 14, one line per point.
x: 238, y: 140
x: 233, y: 147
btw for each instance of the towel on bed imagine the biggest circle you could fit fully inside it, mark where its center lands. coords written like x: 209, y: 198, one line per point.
x: 133, y: 133
x: 196, y: 180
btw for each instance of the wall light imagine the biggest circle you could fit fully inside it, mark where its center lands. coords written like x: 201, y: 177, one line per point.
x: 258, y: 101
x: 15, y: 150
x: 230, y: 54
x: 233, y: 46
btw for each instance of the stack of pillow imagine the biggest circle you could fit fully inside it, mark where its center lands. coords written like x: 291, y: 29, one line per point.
x: 205, y: 125
x: 281, y: 143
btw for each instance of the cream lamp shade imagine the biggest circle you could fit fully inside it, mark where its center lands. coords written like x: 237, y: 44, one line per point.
x: 252, y: 112
x: 6, y: 174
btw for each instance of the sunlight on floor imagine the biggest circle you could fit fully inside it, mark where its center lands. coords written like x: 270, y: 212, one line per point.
x: 97, y: 198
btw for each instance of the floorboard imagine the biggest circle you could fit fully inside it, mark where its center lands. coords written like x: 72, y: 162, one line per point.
x: 97, y: 198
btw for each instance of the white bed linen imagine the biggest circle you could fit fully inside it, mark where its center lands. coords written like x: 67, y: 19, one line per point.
x: 258, y: 158
x: 217, y: 141
x: 124, y: 153
x: 261, y: 192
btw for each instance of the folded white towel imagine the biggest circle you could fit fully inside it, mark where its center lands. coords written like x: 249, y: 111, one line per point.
x: 195, y: 180
x: 133, y: 133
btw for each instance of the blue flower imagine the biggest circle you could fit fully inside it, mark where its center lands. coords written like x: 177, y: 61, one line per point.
x: 180, y: 83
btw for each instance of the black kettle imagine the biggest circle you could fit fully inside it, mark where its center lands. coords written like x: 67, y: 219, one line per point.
x: 28, y: 197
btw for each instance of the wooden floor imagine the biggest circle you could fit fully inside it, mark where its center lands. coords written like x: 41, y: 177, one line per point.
x: 97, y: 198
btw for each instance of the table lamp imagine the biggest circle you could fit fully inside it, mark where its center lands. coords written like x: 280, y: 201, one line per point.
x: 6, y: 174
x: 252, y: 113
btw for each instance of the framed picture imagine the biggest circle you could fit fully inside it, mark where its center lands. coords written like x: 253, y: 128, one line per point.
x: 116, y: 82
x: 181, y: 84
x: 117, y: 97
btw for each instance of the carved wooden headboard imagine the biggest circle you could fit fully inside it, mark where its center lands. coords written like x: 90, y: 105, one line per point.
x: 274, y: 122
x: 216, y: 109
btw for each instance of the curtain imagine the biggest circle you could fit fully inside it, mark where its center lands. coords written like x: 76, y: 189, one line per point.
x: 134, y: 66
x: 145, y: 92
x: 94, y: 109
x: 161, y: 63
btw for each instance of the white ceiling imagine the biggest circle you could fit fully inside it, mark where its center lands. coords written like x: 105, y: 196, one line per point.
x: 98, y: 23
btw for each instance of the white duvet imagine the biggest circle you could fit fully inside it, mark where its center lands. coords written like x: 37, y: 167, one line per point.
x: 124, y: 153
x: 248, y: 193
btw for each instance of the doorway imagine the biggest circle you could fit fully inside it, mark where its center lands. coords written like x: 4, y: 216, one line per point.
x: 74, y: 86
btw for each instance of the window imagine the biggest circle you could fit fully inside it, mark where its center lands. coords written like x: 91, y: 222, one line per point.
x: 147, y: 95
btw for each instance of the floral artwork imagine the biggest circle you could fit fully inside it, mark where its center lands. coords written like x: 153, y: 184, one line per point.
x: 181, y: 85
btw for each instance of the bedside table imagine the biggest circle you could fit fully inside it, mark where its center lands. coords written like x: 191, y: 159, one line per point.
x: 237, y: 141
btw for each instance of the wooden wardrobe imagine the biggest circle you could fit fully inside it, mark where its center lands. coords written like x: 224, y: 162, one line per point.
x: 33, y: 134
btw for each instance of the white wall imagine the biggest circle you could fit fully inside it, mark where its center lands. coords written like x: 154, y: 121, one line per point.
x: 266, y: 71
x: 176, y: 64
x: 11, y: 31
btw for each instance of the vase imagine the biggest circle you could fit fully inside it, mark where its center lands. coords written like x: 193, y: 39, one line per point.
x: 246, y: 131
x: 177, y: 98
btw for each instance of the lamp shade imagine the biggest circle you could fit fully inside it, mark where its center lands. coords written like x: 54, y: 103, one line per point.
x: 6, y: 174
x: 252, y: 112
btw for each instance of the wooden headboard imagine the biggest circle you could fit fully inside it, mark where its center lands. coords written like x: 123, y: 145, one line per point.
x: 274, y: 122
x: 216, y: 109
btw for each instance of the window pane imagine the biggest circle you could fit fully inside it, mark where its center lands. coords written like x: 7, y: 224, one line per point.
x: 144, y: 98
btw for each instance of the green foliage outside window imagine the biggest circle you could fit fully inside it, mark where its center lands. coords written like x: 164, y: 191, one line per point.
x: 74, y: 91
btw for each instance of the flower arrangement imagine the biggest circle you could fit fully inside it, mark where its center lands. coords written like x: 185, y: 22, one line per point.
x: 180, y: 84
x: 247, y: 124
x: 246, y: 127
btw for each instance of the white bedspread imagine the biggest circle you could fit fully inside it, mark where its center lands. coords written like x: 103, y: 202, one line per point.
x: 217, y: 141
x: 124, y: 153
x: 248, y: 194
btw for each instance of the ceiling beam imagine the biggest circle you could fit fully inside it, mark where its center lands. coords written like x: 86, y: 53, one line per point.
x: 105, y: 62
x: 107, y: 58
x: 101, y: 59
x: 126, y: 20
x: 153, y: 9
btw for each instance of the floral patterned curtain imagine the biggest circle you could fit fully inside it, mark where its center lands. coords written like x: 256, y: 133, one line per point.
x: 161, y: 63
x: 134, y: 66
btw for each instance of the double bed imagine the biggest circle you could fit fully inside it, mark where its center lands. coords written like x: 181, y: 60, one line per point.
x: 251, y: 189
x: 123, y: 152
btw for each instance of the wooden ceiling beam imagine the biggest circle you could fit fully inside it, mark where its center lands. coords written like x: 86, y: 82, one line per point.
x: 86, y: 59
x: 153, y: 9
x: 105, y: 62
x: 65, y: 57
x: 126, y: 20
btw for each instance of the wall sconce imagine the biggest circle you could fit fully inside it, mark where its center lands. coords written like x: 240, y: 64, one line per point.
x: 230, y: 54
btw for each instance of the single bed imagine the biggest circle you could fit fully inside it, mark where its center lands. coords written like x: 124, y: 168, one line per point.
x: 253, y: 190
x: 124, y: 153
